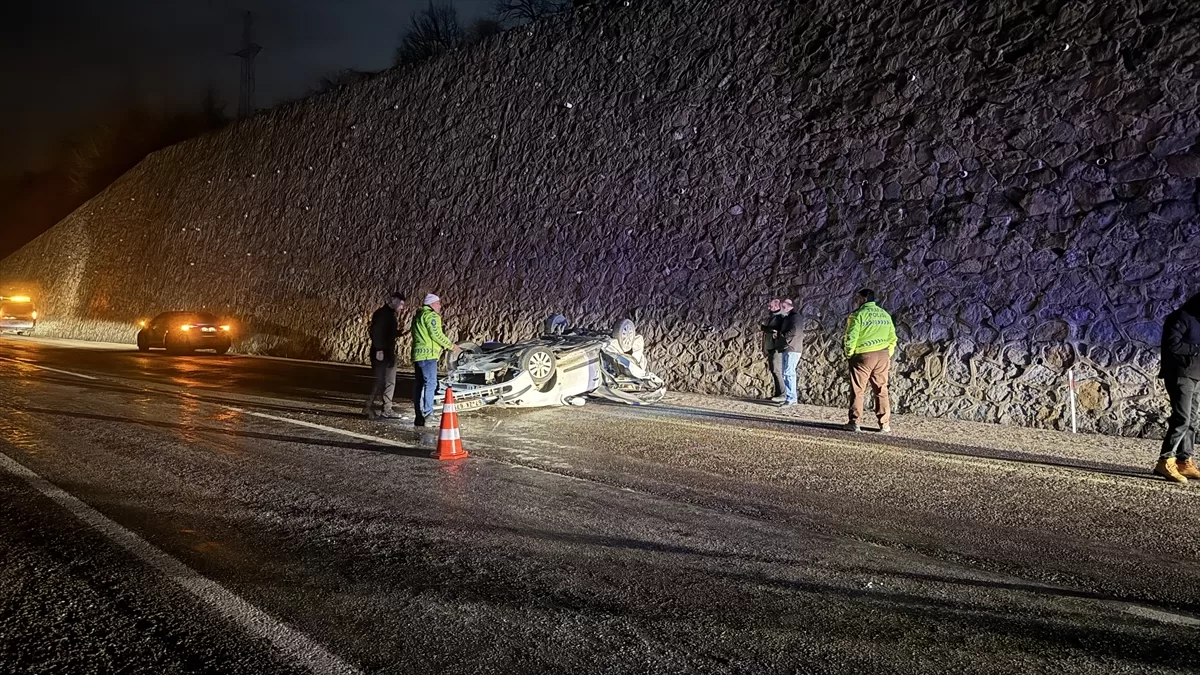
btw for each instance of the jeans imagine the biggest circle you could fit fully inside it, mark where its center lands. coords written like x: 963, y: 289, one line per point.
x: 424, y: 387
x: 790, y: 361
x: 1181, y: 426
x: 385, y: 385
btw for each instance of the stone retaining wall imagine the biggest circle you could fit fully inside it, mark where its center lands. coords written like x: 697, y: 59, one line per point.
x: 1016, y: 178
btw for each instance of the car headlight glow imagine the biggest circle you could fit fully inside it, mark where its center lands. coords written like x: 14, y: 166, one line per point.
x: 186, y: 326
x: 225, y: 328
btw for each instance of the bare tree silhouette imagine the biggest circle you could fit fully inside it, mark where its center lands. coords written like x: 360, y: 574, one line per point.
x: 337, y: 79
x: 103, y: 151
x: 484, y: 28
x: 95, y: 156
x: 520, y: 11
x: 431, y: 31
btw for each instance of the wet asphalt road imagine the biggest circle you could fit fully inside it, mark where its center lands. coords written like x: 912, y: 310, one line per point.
x: 699, y: 536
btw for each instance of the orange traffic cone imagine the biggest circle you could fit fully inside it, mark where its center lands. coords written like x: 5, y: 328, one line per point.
x: 449, y: 441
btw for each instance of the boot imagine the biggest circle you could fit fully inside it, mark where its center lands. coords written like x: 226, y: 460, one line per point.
x: 1187, y: 468
x: 1167, y: 469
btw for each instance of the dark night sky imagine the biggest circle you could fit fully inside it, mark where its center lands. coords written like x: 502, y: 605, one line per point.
x: 66, y: 61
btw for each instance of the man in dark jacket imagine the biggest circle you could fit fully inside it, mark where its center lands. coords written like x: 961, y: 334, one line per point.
x: 791, y: 344
x: 385, y: 329
x: 1181, y: 374
x: 770, y: 344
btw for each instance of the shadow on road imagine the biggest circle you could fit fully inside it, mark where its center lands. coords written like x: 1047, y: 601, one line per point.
x: 829, y: 430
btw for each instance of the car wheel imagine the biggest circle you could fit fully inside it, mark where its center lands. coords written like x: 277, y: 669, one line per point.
x: 143, y: 346
x: 221, y: 351
x: 464, y: 349
x: 540, y: 363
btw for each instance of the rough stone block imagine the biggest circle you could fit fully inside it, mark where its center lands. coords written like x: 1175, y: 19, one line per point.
x: 1019, y: 217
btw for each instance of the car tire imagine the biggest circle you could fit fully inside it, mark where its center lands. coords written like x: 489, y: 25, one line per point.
x: 222, y: 351
x: 464, y: 349
x: 143, y: 346
x: 540, y: 363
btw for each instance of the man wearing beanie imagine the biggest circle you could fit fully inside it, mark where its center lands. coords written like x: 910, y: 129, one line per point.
x: 428, y: 343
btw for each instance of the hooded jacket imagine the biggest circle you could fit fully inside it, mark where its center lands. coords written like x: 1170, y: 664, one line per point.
x: 1181, y: 342
x: 428, y: 338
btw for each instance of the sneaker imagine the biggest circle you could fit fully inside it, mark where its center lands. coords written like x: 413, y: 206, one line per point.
x: 1187, y: 468
x: 777, y: 399
x: 391, y: 415
x: 787, y: 404
x: 1167, y: 469
x: 885, y: 428
x: 852, y: 426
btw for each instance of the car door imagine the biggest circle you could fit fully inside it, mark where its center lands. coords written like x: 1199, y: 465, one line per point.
x: 157, y: 330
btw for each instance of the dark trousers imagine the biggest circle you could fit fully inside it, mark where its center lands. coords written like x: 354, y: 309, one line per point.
x: 424, y: 387
x: 1185, y: 413
x: 385, y: 385
x: 777, y: 372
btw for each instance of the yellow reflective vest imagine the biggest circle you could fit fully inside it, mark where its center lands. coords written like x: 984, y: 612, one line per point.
x: 869, y: 329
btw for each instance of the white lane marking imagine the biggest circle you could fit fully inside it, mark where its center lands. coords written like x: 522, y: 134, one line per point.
x: 291, y: 643
x: 319, y: 363
x: 1161, y: 615
x: 388, y: 441
x: 130, y: 347
x: 53, y: 370
x: 314, y: 425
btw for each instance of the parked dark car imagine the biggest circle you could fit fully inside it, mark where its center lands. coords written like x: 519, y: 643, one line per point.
x: 17, y: 314
x: 184, y: 332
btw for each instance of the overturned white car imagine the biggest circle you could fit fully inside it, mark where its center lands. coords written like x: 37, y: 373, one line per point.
x: 559, y: 368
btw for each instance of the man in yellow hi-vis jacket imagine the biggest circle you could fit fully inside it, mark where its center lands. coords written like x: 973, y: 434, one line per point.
x: 869, y: 344
x: 428, y: 342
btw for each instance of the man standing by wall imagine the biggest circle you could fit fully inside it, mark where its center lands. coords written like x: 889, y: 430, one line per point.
x: 1180, y: 372
x: 770, y: 343
x: 790, y: 345
x: 428, y: 343
x: 869, y: 344
x: 385, y: 328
